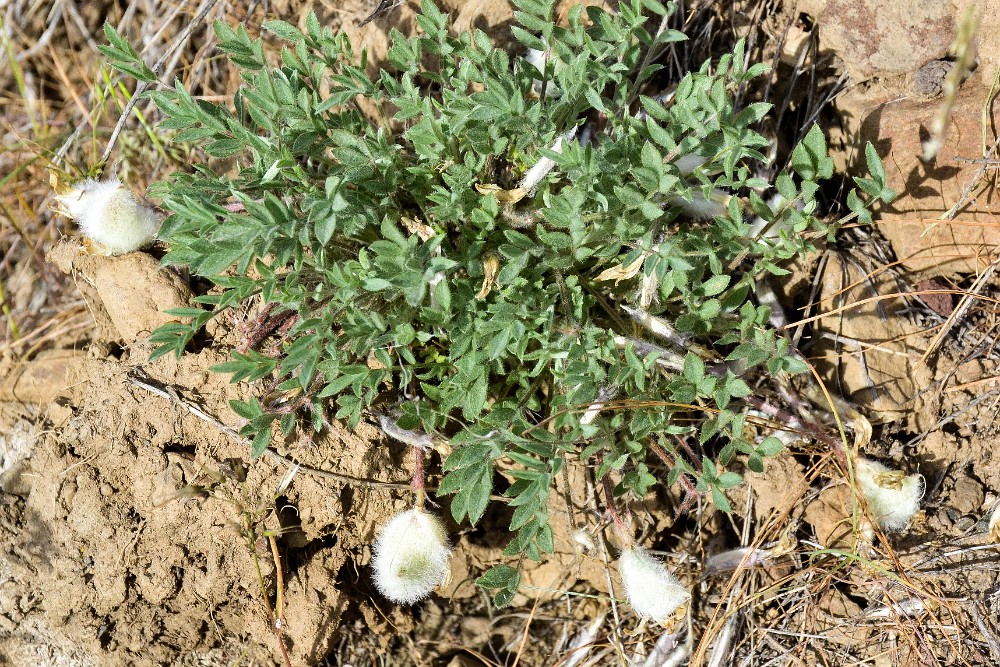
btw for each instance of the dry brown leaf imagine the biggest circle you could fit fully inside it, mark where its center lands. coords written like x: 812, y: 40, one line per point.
x: 503, y: 196
x: 622, y: 271
x: 491, y: 269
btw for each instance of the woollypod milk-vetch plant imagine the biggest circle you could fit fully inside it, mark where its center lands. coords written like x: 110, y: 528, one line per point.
x: 510, y: 270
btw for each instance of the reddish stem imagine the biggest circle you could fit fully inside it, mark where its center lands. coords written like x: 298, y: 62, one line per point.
x: 690, y: 493
x: 238, y: 206
x: 814, y: 429
x: 418, y: 477
x: 621, y: 524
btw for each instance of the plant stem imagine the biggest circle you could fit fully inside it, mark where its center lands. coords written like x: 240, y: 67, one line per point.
x: 418, y: 477
x: 279, y: 603
x: 835, y: 445
x: 251, y: 535
x: 621, y: 524
x: 690, y: 492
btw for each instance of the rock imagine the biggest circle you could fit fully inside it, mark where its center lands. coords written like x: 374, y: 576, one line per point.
x: 874, y: 37
x: 967, y: 495
x: 928, y: 81
x: 868, y: 353
x: 923, y: 242
x: 779, y: 487
x: 487, y: 15
x: 829, y: 516
x: 987, y: 13
x: 373, y: 37
x: 135, y: 290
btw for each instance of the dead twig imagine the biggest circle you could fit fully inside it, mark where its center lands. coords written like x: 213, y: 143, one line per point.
x: 987, y: 163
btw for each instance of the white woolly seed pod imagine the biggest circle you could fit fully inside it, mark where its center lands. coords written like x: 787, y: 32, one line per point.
x: 110, y: 214
x: 536, y: 58
x: 994, y: 529
x: 651, y: 590
x: 411, y: 556
x: 698, y: 207
x: 893, y: 496
x: 686, y: 164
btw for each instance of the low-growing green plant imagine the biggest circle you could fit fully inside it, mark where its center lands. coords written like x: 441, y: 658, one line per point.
x: 548, y: 265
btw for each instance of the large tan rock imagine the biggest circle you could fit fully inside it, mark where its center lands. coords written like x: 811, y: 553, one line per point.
x: 875, y: 37
x: 868, y: 350
x: 882, y: 38
x: 987, y: 13
x: 912, y: 223
x: 136, y: 290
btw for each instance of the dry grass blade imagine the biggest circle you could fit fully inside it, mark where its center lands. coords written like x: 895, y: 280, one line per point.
x: 963, y: 51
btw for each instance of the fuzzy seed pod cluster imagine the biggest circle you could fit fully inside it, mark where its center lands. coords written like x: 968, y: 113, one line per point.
x: 411, y: 556
x: 651, y: 590
x: 894, y: 497
x: 110, y: 215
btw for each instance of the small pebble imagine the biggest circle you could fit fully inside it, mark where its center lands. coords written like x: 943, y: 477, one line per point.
x: 928, y: 81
